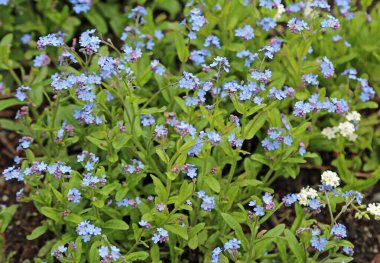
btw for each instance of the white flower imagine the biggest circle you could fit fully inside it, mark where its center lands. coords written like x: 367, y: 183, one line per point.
x: 346, y: 129
x: 309, y: 12
x: 352, y: 137
x: 330, y: 178
x: 353, y: 116
x: 374, y: 209
x: 306, y: 194
x: 280, y: 11
x: 330, y: 132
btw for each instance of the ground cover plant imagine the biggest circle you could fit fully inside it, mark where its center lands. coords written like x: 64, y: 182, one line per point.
x: 164, y: 132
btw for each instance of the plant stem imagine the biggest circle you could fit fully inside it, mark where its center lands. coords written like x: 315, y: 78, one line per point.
x: 330, y: 211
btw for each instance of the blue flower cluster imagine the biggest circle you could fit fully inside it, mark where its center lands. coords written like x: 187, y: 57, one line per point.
x: 89, y: 42
x: 86, y: 230
x: 263, y: 77
x: 276, y: 136
x: 199, y: 56
x: 249, y: 57
x: 65, y: 130
x: 212, y: 41
x: 109, y: 254
x: 88, y: 159
x: 318, y: 243
x: 196, y: 22
x: 311, y: 79
x: 88, y: 115
x: 55, y: 40
x: 147, y: 120
x: 59, y: 252
x: 215, y: 256
x: 136, y: 167
x: 57, y: 169
x: 232, y: 246
x: 295, y: 7
x: 81, y: 6
x: 313, y: 104
x: 24, y: 143
x: 129, y: 202
x: 367, y: 92
x: 190, y: 170
x: 259, y: 210
x: 93, y: 181
x: 345, y: 6
x: 235, y: 142
x: 339, y: 231
x: 156, y: 68
x: 246, y: 32
x: 161, y: 236
x: 269, y: 4
x: 267, y: 23
x: 296, y: 25
x: 327, y: 68
x: 20, y: 93
x: 208, y: 202
x: 330, y: 22
x: 110, y: 66
x: 41, y: 61
x: 74, y: 195
x: 321, y: 4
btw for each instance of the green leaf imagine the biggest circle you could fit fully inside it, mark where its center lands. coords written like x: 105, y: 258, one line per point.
x: 255, y: 109
x: 140, y: 255
x: 294, y: 245
x: 366, y: 105
x: 121, y: 192
x: 97, y: 142
x: 5, y: 47
x: 254, y: 125
x: 57, y: 194
x: 97, y: 21
x: 98, y: 203
x: 213, y: 183
x: 163, y: 156
x: 294, y: 160
x: 37, y: 232
x: 6, y: 216
x: 178, y: 230
x: 152, y: 110
x: 232, y: 223
x: 184, y: 193
x: 193, y: 242
x: 181, y: 102
x: 155, y: 253
x: 346, y: 58
x: 93, y: 255
x: 250, y: 182
x: 196, y: 229
x: 9, y: 103
x: 261, y: 159
x: 159, y: 188
x: 7, y: 40
x: 116, y: 224
x: 10, y: 125
x: 263, y: 242
x: 121, y: 141
x: 73, y: 218
x: 109, y: 188
x: 182, y: 50
x: 51, y: 213
x: 344, y: 172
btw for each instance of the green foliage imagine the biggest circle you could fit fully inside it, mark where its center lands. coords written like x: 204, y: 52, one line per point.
x: 187, y: 177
